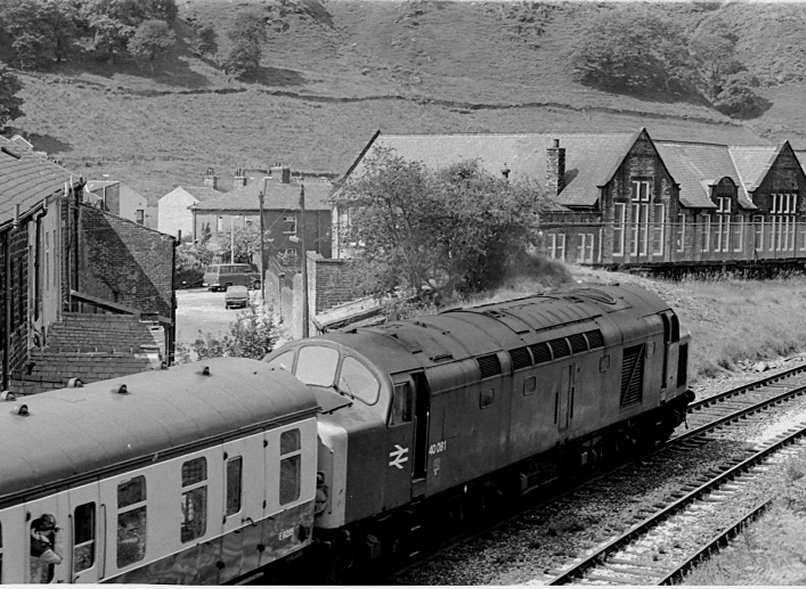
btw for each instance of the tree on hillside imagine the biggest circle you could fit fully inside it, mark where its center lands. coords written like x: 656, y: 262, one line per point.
x: 631, y: 49
x: 27, y: 26
x: 246, y: 37
x: 150, y: 40
x: 204, y: 39
x: 10, y: 103
x: 453, y: 230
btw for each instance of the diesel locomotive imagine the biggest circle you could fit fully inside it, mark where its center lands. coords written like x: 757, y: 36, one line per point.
x: 209, y: 472
x: 442, y: 415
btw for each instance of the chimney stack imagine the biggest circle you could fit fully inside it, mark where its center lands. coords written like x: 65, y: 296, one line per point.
x: 555, y: 168
x: 281, y: 173
x: 239, y: 180
x: 210, y: 179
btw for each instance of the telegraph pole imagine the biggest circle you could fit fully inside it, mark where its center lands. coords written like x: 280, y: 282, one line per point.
x: 301, y: 225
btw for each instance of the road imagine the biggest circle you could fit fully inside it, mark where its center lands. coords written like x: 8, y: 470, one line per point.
x: 200, y: 310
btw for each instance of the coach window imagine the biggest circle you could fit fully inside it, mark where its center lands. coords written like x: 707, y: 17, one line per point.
x: 131, y: 521
x: 83, y: 537
x: 316, y: 365
x: 234, y: 485
x: 290, y: 462
x: 401, y: 405
x: 357, y: 381
x: 194, y: 499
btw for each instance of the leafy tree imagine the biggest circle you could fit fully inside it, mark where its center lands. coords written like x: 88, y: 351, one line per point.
x: 737, y: 98
x: 632, y: 49
x: 151, y: 39
x: 10, y: 103
x: 247, y: 37
x: 453, y: 230
x: 714, y: 53
x: 110, y: 36
x: 253, y: 334
x: 204, y: 39
x: 31, y: 36
x: 247, y: 243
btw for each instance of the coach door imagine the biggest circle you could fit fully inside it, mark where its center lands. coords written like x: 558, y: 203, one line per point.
x: 81, y: 531
x: 407, y: 439
x: 37, y: 571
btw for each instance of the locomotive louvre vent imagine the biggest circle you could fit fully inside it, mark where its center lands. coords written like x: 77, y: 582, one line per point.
x: 595, y: 339
x: 560, y: 347
x: 489, y: 365
x: 578, y: 343
x: 541, y: 352
x: 520, y: 358
x: 632, y: 376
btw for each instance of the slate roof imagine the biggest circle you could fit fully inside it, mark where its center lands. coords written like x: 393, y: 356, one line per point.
x: 753, y: 162
x: 202, y: 193
x: 93, y: 185
x: 27, y: 178
x: 279, y: 196
x: 591, y: 158
x: 698, y: 166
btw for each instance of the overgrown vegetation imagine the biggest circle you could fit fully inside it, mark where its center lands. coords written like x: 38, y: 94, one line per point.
x: 10, y: 101
x: 634, y: 49
x: 252, y: 334
x: 454, y: 230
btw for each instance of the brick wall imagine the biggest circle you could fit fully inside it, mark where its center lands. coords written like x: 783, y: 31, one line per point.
x: 331, y: 282
x: 123, y: 262
x: 15, y: 246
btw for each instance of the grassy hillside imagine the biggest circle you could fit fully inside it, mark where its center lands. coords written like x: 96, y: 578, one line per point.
x: 334, y: 72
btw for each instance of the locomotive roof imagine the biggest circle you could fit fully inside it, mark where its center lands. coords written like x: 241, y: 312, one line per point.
x: 473, y: 331
x: 75, y: 431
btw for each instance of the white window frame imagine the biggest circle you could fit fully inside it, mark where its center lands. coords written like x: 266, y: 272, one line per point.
x: 619, y: 228
x: 706, y: 232
x: 659, y: 229
x: 738, y: 232
x: 289, y: 224
x: 556, y: 246
x: 723, y: 224
x: 585, y: 248
x: 681, y: 232
x: 758, y: 232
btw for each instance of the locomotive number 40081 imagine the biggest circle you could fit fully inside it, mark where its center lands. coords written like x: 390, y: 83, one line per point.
x: 438, y: 447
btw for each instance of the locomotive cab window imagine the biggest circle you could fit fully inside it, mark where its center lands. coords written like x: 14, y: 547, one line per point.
x: 194, y: 499
x: 401, y: 405
x: 316, y: 365
x: 131, y: 541
x: 83, y: 537
x: 290, y: 466
x: 357, y: 381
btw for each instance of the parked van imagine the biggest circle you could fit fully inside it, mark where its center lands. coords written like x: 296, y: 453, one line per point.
x: 220, y: 276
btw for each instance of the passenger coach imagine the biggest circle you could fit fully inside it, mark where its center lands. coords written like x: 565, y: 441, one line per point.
x: 198, y: 474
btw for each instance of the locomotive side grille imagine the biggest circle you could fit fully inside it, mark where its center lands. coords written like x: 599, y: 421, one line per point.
x: 520, y: 358
x: 560, y: 347
x: 578, y: 343
x: 632, y: 376
x: 595, y: 339
x: 541, y: 353
x: 489, y: 365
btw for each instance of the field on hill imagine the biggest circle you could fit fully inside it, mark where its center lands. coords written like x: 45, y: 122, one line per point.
x: 334, y: 72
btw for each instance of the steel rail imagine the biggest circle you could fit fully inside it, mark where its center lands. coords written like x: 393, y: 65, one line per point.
x: 638, y: 529
x: 768, y: 380
x: 712, y: 546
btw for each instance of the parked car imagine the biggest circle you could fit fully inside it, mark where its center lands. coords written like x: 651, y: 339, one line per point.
x: 236, y: 296
x: 221, y: 276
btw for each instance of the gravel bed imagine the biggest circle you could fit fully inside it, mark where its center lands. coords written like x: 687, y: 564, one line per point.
x: 526, y: 549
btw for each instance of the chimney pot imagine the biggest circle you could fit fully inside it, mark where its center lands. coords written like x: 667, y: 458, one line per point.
x: 555, y: 168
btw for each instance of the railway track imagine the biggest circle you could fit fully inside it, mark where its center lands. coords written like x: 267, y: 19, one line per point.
x: 719, y: 416
x: 663, y: 546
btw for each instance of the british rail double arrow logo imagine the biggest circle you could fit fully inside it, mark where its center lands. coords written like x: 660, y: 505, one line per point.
x: 398, y: 456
